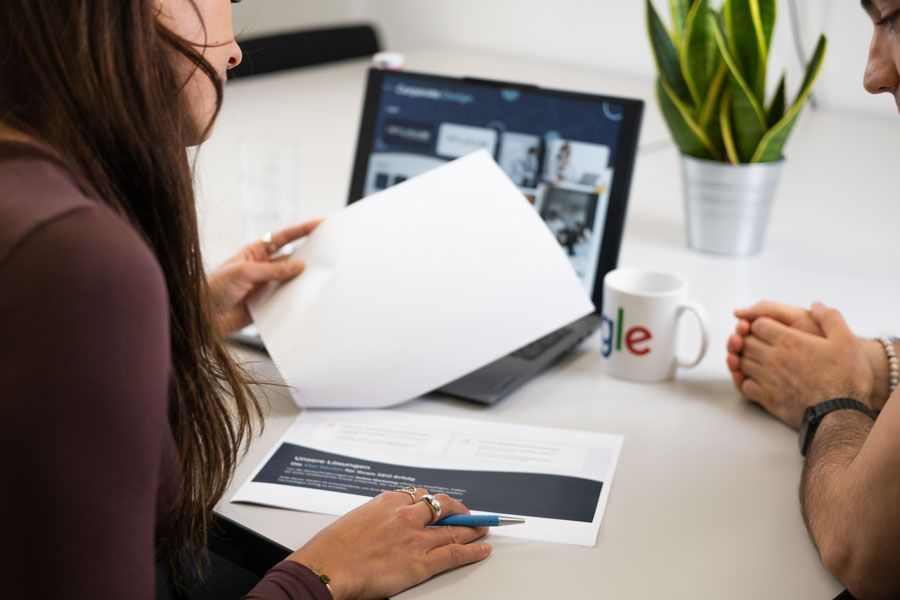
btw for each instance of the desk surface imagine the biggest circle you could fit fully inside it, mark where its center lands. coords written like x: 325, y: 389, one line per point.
x: 704, y: 504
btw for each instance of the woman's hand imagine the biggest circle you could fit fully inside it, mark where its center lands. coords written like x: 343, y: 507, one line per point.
x: 384, y: 546
x: 801, y: 320
x: 244, y: 273
x: 786, y: 370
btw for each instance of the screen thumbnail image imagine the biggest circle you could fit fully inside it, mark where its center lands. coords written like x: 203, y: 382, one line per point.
x: 520, y: 156
x: 575, y: 162
x: 576, y: 214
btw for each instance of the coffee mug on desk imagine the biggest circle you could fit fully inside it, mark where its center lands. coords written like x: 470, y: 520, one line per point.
x: 642, y: 310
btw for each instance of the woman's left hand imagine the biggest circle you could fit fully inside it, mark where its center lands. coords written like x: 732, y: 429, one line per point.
x: 244, y: 273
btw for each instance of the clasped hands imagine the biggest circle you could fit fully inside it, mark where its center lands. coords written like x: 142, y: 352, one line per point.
x: 786, y: 359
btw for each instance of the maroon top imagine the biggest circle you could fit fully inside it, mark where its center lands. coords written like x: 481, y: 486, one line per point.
x: 88, y: 461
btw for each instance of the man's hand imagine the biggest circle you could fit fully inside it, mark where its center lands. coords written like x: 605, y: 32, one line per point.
x: 792, y: 316
x: 786, y: 370
x: 243, y: 274
x: 801, y: 320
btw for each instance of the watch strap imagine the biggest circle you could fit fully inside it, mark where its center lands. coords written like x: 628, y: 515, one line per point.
x: 815, y: 414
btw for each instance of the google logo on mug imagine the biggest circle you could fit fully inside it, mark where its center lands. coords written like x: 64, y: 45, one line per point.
x: 648, y: 305
x: 636, y: 339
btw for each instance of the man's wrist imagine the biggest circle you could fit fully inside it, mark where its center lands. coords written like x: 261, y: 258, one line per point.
x: 880, y: 374
x: 834, y: 425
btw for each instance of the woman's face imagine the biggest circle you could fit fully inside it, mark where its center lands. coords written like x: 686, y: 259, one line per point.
x: 207, y: 25
x: 883, y: 69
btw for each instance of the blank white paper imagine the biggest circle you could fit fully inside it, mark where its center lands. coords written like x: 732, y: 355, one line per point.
x: 416, y: 286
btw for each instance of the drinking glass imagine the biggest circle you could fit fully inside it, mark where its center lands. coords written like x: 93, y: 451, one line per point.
x: 268, y: 184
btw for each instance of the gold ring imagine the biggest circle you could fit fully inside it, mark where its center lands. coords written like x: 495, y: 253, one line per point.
x: 409, y: 490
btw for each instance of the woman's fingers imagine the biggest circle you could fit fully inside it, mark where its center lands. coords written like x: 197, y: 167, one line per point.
x: 441, y: 536
x: 449, y: 506
x: 260, y: 251
x: 276, y: 270
x: 452, y: 556
x: 295, y: 232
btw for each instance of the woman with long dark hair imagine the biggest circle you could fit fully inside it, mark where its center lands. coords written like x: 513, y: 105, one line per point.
x: 121, y: 411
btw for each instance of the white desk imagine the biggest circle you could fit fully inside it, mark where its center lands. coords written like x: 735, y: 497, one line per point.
x: 704, y: 504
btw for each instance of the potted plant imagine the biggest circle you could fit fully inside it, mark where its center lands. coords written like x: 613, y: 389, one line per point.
x: 711, y: 89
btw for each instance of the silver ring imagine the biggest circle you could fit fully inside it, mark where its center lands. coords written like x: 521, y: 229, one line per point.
x: 266, y: 239
x: 409, y: 490
x: 434, y: 505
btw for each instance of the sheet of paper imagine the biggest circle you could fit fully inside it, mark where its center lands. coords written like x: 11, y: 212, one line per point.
x: 416, y: 286
x: 332, y: 461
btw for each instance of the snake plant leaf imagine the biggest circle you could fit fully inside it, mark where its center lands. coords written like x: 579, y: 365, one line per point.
x: 747, y: 42
x: 776, y: 108
x: 688, y: 134
x: 679, y: 9
x: 771, y: 146
x: 666, y: 55
x: 707, y: 111
x: 768, y: 13
x: 725, y: 126
x: 748, y: 117
x: 698, y: 52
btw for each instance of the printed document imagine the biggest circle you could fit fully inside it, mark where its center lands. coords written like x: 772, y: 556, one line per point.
x: 333, y: 461
x: 416, y: 286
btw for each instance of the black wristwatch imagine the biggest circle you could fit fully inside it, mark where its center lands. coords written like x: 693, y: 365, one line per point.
x: 815, y: 414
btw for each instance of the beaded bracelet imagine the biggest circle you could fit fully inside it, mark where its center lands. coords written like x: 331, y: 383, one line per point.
x: 893, y: 364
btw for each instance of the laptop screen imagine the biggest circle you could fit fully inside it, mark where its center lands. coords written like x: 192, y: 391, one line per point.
x: 561, y: 149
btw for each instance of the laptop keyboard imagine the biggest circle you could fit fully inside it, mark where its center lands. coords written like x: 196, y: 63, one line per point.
x: 535, y: 349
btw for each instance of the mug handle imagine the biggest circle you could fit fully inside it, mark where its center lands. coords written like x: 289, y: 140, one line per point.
x: 703, y: 320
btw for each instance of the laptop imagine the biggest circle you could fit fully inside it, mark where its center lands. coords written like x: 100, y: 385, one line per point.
x: 571, y: 154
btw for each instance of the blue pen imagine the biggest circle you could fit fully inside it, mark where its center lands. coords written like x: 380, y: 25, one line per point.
x: 478, y: 521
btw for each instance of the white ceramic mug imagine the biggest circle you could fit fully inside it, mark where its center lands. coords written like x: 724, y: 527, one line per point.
x: 642, y: 310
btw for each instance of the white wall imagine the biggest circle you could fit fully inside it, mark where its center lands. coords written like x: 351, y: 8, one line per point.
x: 255, y: 17
x: 601, y: 34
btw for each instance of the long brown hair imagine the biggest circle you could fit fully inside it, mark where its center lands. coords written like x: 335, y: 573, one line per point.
x: 97, y: 81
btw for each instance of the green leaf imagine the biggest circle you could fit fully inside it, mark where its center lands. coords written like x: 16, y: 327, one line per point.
x: 679, y: 9
x: 768, y: 13
x: 747, y: 42
x: 666, y: 55
x: 713, y: 95
x: 813, y: 67
x: 776, y: 108
x: 748, y: 117
x: 699, y: 54
x: 688, y: 135
x: 771, y: 146
x: 725, y: 126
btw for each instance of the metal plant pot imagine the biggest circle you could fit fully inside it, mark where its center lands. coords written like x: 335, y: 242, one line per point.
x: 728, y: 205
